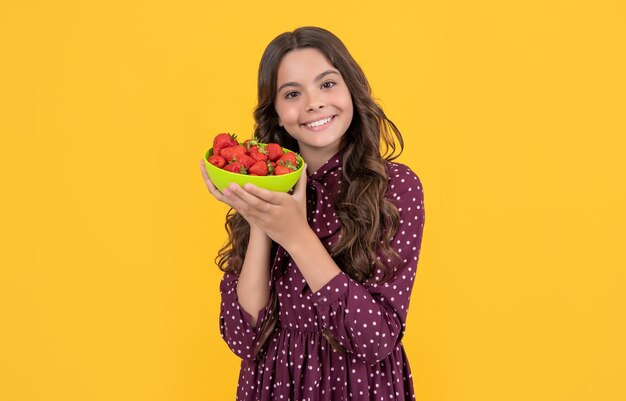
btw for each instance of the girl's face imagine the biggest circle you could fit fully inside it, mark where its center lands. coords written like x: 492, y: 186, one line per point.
x: 311, y: 90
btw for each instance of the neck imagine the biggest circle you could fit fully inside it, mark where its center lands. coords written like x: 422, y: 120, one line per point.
x: 316, y: 158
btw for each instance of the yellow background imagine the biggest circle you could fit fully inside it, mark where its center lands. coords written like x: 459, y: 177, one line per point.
x: 513, y: 117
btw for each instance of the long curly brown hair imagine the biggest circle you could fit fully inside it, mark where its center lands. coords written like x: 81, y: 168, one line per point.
x: 368, y: 220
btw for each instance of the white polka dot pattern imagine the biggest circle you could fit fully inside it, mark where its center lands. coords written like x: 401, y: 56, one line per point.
x: 368, y: 318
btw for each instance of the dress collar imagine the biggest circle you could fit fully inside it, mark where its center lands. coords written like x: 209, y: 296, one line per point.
x: 325, y: 170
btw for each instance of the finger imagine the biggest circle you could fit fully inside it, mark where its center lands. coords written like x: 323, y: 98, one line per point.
x: 203, y: 170
x: 209, y: 184
x: 300, y: 189
x: 236, y: 207
x: 211, y: 187
x: 233, y: 198
x: 272, y: 197
x: 250, y: 199
x: 205, y: 175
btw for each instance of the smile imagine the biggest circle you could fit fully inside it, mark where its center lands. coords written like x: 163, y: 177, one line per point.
x: 320, y: 124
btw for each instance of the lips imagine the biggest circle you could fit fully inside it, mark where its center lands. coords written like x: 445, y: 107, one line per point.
x: 319, y: 119
x: 320, y: 127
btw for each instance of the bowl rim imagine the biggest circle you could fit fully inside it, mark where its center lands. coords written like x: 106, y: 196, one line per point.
x: 209, y: 153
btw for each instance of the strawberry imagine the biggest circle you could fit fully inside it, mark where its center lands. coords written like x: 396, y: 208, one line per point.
x: 258, y: 168
x: 274, y: 151
x: 258, y: 154
x: 248, y: 143
x: 223, y: 140
x: 217, y: 161
x: 289, y: 156
x: 246, y: 160
x: 280, y: 170
x: 229, y: 153
x: 235, y: 167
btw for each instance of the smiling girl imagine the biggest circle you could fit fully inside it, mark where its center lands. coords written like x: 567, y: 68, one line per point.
x: 317, y: 282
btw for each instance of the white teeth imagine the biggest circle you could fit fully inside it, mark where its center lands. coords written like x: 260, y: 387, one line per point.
x: 320, y: 122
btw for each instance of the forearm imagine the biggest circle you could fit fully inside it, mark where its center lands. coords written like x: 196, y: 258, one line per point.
x: 252, y: 287
x: 313, y: 260
x: 367, y: 322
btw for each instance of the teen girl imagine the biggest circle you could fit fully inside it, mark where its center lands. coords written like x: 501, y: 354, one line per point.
x: 317, y: 282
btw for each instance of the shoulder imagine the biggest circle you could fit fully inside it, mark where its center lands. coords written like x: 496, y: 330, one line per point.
x: 402, y: 179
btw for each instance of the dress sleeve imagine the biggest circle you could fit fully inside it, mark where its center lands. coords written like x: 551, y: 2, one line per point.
x: 235, y: 323
x: 368, y: 318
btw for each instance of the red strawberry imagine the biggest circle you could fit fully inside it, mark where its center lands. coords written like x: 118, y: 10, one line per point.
x: 287, y: 163
x: 258, y: 154
x: 236, y: 167
x: 246, y: 160
x: 222, y: 141
x: 259, y: 168
x: 289, y: 156
x: 217, y: 161
x: 274, y: 150
x: 248, y: 143
x: 280, y: 170
x: 232, y: 151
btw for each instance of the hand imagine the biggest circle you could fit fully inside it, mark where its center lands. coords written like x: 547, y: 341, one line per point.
x: 209, y: 184
x: 280, y: 215
x: 220, y: 197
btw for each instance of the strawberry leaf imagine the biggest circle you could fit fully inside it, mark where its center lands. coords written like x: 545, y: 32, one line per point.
x: 289, y: 165
x: 251, y: 142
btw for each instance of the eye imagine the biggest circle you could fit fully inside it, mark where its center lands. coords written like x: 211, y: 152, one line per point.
x: 327, y: 85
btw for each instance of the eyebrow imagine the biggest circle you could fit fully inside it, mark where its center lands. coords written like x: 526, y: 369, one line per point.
x: 322, y: 75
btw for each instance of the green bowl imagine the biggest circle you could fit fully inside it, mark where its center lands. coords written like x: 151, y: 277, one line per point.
x: 280, y: 183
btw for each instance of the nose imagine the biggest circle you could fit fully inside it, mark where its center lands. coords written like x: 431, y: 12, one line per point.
x: 315, y: 103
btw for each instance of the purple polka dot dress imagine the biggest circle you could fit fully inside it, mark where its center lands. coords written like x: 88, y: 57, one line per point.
x: 367, y: 319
